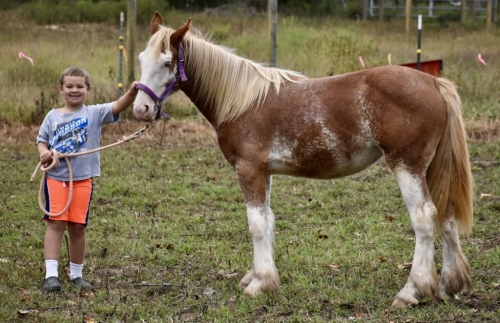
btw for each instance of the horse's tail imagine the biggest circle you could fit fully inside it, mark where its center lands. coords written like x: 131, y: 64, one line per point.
x: 449, y: 175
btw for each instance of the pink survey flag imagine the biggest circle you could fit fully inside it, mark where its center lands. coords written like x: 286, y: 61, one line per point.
x: 362, y: 61
x: 481, y: 59
x: 21, y: 55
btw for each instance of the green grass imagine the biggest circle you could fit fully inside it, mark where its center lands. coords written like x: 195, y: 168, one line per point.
x: 168, y: 224
x: 173, y: 214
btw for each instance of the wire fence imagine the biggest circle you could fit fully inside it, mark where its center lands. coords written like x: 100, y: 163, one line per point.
x: 476, y: 9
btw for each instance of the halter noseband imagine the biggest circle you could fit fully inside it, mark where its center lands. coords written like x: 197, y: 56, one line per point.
x: 159, y: 100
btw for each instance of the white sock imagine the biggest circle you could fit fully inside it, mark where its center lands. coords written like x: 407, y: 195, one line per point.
x: 75, y: 270
x: 51, y: 266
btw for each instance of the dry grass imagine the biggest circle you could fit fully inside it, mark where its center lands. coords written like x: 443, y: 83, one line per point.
x: 171, y: 133
x: 483, y: 130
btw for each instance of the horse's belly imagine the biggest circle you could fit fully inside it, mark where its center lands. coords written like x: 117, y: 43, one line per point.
x: 323, y: 163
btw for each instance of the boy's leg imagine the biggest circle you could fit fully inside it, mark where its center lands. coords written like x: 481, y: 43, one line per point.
x: 56, y: 197
x: 77, y: 253
x: 52, y: 251
x: 78, y: 218
x: 53, y: 239
x: 76, y: 242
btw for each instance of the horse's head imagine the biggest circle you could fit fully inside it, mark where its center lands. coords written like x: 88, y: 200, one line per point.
x: 161, y: 68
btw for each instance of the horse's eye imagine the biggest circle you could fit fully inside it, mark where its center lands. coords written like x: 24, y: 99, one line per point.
x: 167, y: 64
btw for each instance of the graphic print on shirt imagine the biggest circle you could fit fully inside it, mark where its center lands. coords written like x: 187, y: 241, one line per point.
x: 69, y: 137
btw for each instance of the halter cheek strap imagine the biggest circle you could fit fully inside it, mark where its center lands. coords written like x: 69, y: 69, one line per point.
x: 159, y: 100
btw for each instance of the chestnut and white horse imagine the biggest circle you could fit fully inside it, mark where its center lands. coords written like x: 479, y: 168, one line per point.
x: 272, y: 121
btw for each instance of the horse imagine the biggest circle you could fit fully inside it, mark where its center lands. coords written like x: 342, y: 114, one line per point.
x: 270, y: 121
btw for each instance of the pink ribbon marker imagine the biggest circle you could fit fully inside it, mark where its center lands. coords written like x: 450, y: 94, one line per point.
x: 481, y: 59
x: 21, y: 55
x: 362, y: 62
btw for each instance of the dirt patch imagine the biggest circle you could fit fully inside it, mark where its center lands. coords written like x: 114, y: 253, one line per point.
x: 170, y: 132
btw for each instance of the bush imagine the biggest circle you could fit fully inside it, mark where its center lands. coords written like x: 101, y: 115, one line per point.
x: 85, y: 11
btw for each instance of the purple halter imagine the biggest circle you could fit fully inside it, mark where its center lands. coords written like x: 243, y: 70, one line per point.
x: 159, y: 100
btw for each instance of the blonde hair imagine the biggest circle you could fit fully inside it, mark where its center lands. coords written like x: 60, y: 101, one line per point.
x: 75, y: 71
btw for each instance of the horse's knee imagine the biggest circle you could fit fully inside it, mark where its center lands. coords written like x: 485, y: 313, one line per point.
x: 424, y: 219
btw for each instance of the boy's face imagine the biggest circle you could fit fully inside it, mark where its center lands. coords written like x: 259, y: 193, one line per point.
x: 74, y: 90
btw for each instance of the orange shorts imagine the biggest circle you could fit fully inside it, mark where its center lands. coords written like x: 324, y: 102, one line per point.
x: 56, y: 198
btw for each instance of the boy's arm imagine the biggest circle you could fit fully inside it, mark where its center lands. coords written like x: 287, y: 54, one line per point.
x: 125, y: 100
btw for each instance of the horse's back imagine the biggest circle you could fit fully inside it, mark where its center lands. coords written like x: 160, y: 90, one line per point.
x: 397, y: 107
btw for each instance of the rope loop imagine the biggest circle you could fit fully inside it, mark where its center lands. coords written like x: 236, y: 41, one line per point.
x: 55, y: 162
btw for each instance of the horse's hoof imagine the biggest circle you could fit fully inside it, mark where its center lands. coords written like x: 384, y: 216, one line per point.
x: 399, y: 303
x: 251, y: 292
x: 446, y: 297
x: 246, y: 280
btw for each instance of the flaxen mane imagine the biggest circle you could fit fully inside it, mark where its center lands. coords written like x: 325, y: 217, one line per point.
x: 232, y: 83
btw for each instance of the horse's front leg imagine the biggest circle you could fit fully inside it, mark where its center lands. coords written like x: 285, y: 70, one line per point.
x: 256, y: 187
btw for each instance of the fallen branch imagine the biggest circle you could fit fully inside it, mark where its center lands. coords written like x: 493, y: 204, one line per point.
x: 36, y: 310
x: 155, y: 285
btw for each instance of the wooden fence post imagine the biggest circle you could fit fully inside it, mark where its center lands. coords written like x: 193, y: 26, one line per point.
x: 272, y: 11
x: 408, y: 19
x: 463, y: 7
x: 131, y: 14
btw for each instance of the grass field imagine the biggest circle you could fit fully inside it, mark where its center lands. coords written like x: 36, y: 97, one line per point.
x: 168, y: 238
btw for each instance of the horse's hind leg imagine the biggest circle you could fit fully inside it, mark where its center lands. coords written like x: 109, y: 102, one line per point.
x: 455, y: 275
x: 423, y: 280
x: 263, y: 276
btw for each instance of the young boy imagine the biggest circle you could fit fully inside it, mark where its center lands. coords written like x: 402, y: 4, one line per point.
x: 75, y: 127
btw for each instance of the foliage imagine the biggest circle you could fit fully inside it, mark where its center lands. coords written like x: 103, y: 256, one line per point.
x: 87, y: 11
x: 12, y: 4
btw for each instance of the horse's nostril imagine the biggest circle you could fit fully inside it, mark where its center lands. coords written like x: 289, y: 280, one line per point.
x: 146, y: 108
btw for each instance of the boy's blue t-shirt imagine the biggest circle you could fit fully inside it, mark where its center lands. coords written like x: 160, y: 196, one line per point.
x: 78, y: 131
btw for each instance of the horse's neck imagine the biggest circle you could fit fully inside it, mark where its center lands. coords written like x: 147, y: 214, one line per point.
x: 206, y: 109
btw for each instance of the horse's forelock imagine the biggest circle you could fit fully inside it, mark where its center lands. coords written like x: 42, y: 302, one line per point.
x: 160, y: 40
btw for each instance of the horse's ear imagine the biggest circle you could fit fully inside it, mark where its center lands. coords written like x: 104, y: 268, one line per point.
x: 156, y: 22
x: 177, y: 36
